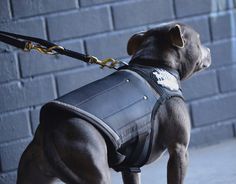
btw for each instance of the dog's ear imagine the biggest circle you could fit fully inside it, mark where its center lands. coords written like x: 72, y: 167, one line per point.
x: 134, y: 42
x: 176, y: 36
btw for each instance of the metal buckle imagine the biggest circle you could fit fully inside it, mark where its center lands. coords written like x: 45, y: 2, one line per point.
x: 44, y: 50
x: 109, y: 62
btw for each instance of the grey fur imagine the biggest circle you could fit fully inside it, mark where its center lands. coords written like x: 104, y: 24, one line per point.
x: 79, y: 150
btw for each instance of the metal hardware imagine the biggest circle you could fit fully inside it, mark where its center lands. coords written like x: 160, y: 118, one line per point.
x: 109, y: 62
x: 44, y: 50
x: 45, y: 47
x: 145, y: 97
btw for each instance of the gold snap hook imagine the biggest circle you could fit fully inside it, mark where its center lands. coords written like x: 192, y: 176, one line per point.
x: 109, y: 62
x: 44, y: 50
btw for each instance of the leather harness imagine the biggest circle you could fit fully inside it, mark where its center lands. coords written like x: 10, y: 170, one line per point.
x: 122, y: 107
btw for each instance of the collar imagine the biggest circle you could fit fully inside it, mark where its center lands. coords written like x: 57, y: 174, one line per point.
x: 142, y: 62
x: 173, y: 72
x: 163, y: 76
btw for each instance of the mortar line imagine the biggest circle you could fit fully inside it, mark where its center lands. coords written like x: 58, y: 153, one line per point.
x: 174, y: 9
x: 111, y: 18
x: 11, y: 9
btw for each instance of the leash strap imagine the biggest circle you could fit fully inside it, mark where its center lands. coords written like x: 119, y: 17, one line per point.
x: 45, y: 47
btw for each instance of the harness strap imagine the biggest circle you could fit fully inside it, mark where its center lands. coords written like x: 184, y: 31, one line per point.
x: 137, y: 156
x: 46, y: 47
x: 146, y: 75
x: 142, y: 151
x: 138, y: 70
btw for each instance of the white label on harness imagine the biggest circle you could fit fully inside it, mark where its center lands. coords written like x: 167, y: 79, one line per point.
x: 165, y: 79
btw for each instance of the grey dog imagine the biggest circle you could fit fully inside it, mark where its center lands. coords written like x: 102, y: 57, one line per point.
x: 74, y: 150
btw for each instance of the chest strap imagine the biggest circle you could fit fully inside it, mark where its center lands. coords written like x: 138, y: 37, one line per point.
x: 142, y: 152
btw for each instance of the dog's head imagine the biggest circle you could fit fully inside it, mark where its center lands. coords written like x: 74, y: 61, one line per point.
x: 175, y: 45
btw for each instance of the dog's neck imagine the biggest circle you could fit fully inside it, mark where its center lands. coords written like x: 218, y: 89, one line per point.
x: 155, y: 64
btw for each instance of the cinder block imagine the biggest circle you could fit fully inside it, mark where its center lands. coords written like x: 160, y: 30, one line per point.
x: 227, y: 78
x: 8, y: 67
x: 221, y: 26
x: 214, y: 109
x: 112, y: 45
x: 138, y: 13
x: 94, y: 2
x: 36, y: 63
x: 201, y: 25
x: 221, y: 5
x: 223, y: 53
x: 31, y: 27
x: 211, y: 134
x: 68, y: 81
x: 8, y: 178
x: 75, y: 45
x: 200, y: 85
x: 34, y: 117
x: 29, y: 8
x: 10, y: 154
x: 192, y: 7
x: 81, y: 23
x: 26, y: 93
x: 5, y: 14
x: 14, y: 126
x: 224, y: 5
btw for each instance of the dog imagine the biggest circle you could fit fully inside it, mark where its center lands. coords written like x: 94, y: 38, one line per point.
x: 72, y: 149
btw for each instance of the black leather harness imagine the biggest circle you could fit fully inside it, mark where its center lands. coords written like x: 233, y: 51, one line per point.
x: 122, y: 107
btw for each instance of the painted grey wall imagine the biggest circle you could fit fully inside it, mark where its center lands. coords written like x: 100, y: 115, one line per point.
x: 102, y: 28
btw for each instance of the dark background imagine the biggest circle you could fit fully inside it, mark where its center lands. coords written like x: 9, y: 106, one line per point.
x: 102, y: 28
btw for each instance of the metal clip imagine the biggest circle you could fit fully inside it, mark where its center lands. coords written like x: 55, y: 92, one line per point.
x: 44, y: 50
x: 109, y: 62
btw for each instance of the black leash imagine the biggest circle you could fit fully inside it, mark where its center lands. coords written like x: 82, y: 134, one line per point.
x: 45, y: 47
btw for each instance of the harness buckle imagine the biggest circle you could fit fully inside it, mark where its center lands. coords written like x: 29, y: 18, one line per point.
x: 44, y: 50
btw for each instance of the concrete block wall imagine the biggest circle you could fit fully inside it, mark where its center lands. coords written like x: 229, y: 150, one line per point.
x: 102, y: 28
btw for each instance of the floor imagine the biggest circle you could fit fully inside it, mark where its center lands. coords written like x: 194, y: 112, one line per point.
x: 209, y: 165
x: 212, y: 165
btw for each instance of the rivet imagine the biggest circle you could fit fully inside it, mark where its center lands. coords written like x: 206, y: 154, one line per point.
x: 145, y: 97
x: 127, y: 80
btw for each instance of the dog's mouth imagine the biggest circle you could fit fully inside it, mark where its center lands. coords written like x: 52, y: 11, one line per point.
x: 205, y: 60
x: 206, y: 65
x: 202, y: 65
